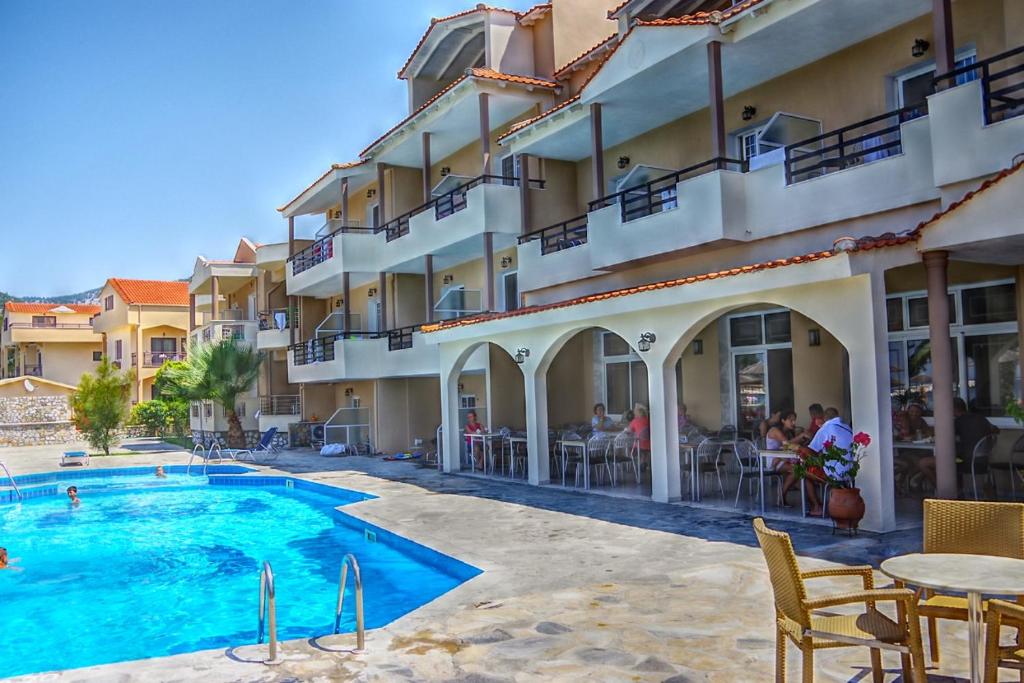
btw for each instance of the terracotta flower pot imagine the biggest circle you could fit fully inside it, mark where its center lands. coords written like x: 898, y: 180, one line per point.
x: 846, y: 508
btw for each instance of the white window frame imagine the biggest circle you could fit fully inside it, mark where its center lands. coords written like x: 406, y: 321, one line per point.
x: 921, y: 69
x: 762, y: 348
x: 504, y: 289
x: 958, y: 332
x: 631, y: 357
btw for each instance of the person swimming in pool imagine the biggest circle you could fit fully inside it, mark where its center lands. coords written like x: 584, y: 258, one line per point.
x: 73, y: 496
x: 160, y: 472
x: 6, y: 563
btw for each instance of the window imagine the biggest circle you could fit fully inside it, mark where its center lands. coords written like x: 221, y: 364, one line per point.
x: 510, y: 288
x: 467, y: 404
x: 208, y: 409
x: 760, y: 328
x: 108, y: 302
x: 914, y: 86
x: 625, y: 375
x: 762, y: 365
x: 97, y: 356
x: 166, y: 345
x: 195, y: 410
x: 240, y: 409
x: 44, y: 321
x: 746, y: 144
x: 509, y: 169
x: 983, y: 331
x: 118, y: 348
x: 373, y: 217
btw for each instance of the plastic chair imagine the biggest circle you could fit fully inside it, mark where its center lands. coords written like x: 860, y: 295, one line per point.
x: 748, y: 465
x: 709, y: 455
x: 979, y: 461
x: 796, y: 620
x: 1011, y: 466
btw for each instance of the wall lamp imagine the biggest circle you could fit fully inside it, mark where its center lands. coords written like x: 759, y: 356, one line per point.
x: 814, y: 337
x: 920, y: 47
x: 522, y: 353
x: 445, y: 171
x: 623, y: 162
x: 749, y: 112
x: 349, y: 391
x: 371, y: 193
x: 448, y: 279
x: 372, y: 291
x: 506, y: 261
x: 698, y: 347
x: 646, y: 339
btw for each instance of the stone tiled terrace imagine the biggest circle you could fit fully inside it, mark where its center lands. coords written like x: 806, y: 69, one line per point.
x: 575, y: 587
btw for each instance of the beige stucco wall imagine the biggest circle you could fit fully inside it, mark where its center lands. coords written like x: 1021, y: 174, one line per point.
x: 913, y: 278
x: 406, y: 409
x: 544, y: 46
x: 571, y: 391
x: 702, y: 380
x: 17, y: 388
x: 508, y: 402
x: 817, y: 370
x: 68, y: 362
x: 578, y: 25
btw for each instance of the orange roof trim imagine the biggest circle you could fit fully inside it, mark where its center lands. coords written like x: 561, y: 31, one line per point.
x: 702, y: 18
x: 516, y: 127
x: 47, y: 306
x: 863, y: 244
x: 151, y: 292
x: 586, y: 56
x: 334, y: 167
x: 458, y: 15
x: 492, y: 75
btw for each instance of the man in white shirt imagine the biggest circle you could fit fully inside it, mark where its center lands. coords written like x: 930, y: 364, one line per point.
x: 833, y: 430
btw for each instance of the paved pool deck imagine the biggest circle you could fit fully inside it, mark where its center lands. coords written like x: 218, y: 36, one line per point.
x: 575, y: 587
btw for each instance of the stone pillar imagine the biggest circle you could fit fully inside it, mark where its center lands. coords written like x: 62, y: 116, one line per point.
x: 191, y: 312
x: 382, y: 296
x: 715, y: 99
x: 942, y: 34
x: 488, y: 302
x: 524, y: 193
x: 428, y: 287
x: 215, y: 298
x: 426, y: 167
x: 661, y: 383
x: 535, y: 384
x: 596, y: 151
x: 936, y: 264
x: 485, y: 133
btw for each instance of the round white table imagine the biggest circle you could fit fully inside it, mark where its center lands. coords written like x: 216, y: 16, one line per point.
x: 975, y: 575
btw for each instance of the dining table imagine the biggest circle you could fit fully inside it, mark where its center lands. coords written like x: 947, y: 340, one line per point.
x: 513, y: 442
x: 486, y: 440
x: 976, y: 575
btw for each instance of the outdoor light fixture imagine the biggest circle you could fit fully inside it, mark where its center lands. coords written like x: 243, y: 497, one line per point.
x: 814, y: 337
x: 522, y: 353
x: 920, y: 47
x: 698, y: 347
x: 461, y: 387
x: 749, y: 112
x: 371, y: 193
x: 448, y: 279
x: 623, y: 162
x: 372, y: 291
x: 445, y: 170
x: 506, y: 261
x: 349, y: 391
x: 646, y: 339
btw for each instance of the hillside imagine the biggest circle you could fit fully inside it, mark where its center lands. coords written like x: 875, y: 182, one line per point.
x: 81, y: 297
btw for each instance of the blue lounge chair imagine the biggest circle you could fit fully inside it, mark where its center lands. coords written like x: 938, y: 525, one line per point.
x: 79, y: 457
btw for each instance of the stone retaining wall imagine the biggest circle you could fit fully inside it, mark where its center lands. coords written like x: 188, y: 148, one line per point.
x: 36, y: 420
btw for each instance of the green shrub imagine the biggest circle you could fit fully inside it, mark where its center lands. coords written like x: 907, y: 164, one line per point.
x: 150, y: 414
x: 101, y: 404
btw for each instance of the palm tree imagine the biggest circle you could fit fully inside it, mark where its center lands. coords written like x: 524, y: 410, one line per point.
x: 219, y: 371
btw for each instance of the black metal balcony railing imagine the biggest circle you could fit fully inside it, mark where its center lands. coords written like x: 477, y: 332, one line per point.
x: 447, y: 204
x: 564, y: 235
x: 401, y: 338
x: 318, y: 252
x: 51, y: 326
x: 869, y: 140
x: 661, y: 194
x: 278, y: 319
x: 33, y: 371
x: 1002, y: 83
x: 287, y: 404
x: 322, y: 349
x: 154, y: 359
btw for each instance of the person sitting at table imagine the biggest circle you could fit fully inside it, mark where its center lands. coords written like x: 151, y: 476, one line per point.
x: 837, y: 432
x: 969, y: 428
x: 685, y: 423
x: 817, y: 415
x: 475, y: 446
x: 601, y: 422
x: 779, y: 438
x: 914, y: 427
x: 831, y: 413
x: 640, y: 425
x: 766, y: 425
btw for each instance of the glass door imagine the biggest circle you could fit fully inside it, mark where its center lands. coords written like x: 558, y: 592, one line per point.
x: 751, y: 381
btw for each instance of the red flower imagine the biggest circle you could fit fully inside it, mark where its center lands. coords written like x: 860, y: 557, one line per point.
x: 862, y: 439
x: 829, y: 444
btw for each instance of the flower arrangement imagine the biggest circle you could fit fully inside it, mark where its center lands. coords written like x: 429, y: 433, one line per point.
x: 837, y: 466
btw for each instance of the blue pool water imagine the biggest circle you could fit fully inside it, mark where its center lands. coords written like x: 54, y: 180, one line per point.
x: 148, y: 567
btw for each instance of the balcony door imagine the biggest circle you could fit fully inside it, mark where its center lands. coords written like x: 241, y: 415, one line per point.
x: 761, y: 366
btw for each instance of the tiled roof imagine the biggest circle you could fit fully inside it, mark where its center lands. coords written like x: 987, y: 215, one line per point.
x: 526, y: 122
x: 492, y: 75
x: 586, y: 56
x: 701, y: 18
x: 435, y: 21
x: 46, y: 307
x: 151, y: 292
x: 618, y: 8
x: 538, y: 10
x: 862, y: 244
x: 334, y: 167
x: 486, y: 74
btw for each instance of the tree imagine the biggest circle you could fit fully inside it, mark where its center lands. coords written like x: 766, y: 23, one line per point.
x: 220, y: 371
x: 101, y: 404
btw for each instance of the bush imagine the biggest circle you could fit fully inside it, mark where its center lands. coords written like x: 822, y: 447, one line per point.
x: 101, y: 404
x: 150, y: 414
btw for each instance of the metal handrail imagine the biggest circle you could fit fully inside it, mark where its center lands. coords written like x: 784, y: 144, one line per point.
x: 10, y: 478
x: 350, y: 559
x: 198, y: 447
x: 268, y: 609
x: 54, y: 326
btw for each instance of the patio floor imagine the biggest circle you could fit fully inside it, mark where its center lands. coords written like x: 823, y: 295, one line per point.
x: 575, y: 587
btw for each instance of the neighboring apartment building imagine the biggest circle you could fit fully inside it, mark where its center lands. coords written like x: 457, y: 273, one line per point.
x: 144, y: 324
x: 53, y: 341
x: 745, y: 206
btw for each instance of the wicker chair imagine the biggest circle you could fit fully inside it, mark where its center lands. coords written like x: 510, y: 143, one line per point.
x: 998, y: 656
x: 972, y: 528
x: 795, y: 616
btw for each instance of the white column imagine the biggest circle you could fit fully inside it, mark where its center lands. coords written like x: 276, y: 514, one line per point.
x: 535, y: 384
x: 870, y: 402
x: 661, y: 383
x: 452, y: 448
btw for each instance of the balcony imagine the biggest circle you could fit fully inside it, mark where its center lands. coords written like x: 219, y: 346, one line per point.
x: 217, y: 330
x: 33, y: 370
x: 362, y: 355
x: 155, y: 359
x: 51, y: 332
x: 279, y: 411
x: 978, y: 125
x: 275, y: 328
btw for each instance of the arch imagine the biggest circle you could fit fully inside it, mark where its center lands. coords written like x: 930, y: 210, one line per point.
x: 553, y: 347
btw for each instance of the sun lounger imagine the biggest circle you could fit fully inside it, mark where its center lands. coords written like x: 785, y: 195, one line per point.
x: 79, y: 457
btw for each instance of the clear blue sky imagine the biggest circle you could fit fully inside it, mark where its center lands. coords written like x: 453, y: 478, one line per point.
x: 137, y: 134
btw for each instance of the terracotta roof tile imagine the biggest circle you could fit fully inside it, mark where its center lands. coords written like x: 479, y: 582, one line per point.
x: 151, y: 292
x: 701, y: 18
x: 613, y: 12
x: 492, y: 75
x: 334, y: 167
x: 862, y: 244
x: 440, y: 20
x: 539, y: 9
x: 47, y: 306
x: 519, y: 125
x: 587, y: 55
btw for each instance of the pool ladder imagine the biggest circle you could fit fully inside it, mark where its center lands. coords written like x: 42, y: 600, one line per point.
x: 268, y: 606
x: 14, y: 484
x: 207, y: 456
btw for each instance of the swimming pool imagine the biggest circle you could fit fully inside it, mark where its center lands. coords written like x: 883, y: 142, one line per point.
x: 147, y: 567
